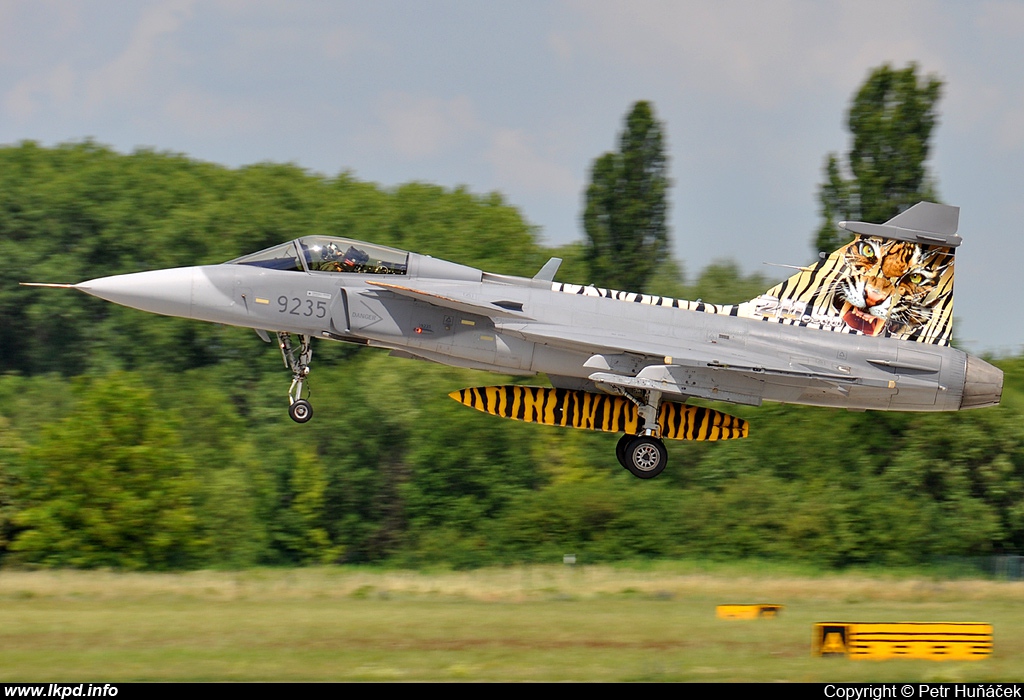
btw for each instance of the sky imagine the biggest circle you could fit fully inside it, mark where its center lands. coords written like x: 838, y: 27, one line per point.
x: 520, y: 97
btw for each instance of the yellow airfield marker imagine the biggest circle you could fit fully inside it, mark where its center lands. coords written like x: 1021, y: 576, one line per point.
x: 938, y: 641
x: 747, y: 612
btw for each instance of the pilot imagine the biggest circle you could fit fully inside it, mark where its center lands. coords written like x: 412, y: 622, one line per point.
x: 330, y: 258
x: 352, y: 260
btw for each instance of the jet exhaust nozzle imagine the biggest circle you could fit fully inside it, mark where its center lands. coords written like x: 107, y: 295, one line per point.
x: 983, y: 384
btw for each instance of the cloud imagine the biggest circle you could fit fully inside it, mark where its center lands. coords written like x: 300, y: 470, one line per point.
x: 421, y: 126
x: 204, y: 114
x: 518, y: 164
x: 762, y: 57
x: 417, y: 127
x: 132, y: 71
x: 27, y: 97
x: 60, y: 74
x: 1003, y: 18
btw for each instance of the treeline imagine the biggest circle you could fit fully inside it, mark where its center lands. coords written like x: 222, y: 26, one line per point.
x: 135, y: 441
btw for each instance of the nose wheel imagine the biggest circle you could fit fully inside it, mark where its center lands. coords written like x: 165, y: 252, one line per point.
x: 300, y: 411
x: 297, y: 359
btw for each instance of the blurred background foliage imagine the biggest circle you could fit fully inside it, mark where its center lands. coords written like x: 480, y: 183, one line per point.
x: 135, y: 441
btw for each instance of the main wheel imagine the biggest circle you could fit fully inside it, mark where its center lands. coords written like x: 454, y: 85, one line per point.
x: 620, y: 449
x: 646, y: 457
x: 300, y: 411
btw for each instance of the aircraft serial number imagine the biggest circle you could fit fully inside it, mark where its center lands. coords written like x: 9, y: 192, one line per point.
x: 301, y: 307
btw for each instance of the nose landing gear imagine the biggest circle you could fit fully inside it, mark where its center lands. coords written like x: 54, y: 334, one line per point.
x: 297, y: 359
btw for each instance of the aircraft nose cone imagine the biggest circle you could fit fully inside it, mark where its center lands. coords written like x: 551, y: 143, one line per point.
x: 983, y: 384
x: 167, y: 292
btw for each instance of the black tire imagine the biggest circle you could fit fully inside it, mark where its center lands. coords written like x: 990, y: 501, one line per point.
x: 300, y: 411
x: 620, y: 449
x: 646, y: 457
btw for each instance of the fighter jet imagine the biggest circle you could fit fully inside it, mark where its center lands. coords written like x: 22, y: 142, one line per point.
x: 865, y: 328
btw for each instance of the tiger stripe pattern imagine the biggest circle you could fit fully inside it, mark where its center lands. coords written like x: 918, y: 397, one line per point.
x: 871, y: 286
x: 638, y: 298
x: 613, y: 414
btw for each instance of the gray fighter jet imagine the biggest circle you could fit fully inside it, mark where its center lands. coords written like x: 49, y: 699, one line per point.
x: 867, y: 327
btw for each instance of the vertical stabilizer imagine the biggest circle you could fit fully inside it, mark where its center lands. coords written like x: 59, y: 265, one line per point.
x: 894, y: 279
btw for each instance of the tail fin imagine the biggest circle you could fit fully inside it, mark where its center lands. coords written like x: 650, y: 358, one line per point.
x: 894, y: 279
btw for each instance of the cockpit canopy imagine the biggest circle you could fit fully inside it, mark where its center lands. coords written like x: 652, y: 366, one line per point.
x: 329, y: 254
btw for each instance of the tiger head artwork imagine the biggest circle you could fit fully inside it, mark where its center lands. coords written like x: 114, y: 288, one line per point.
x: 892, y: 285
x: 874, y: 286
x: 891, y: 280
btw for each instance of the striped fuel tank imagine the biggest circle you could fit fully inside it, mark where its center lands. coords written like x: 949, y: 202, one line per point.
x: 614, y: 414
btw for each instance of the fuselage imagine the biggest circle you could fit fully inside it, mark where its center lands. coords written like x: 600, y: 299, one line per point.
x: 431, y: 309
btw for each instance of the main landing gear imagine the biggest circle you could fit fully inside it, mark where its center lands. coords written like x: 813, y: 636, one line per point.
x: 644, y: 455
x: 297, y: 359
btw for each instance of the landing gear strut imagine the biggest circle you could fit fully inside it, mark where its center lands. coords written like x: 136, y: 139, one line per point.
x: 297, y: 359
x: 644, y: 455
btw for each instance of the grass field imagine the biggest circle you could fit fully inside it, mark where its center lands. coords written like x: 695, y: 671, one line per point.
x: 555, y: 623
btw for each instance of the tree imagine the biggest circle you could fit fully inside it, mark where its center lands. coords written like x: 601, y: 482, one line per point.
x: 108, y: 485
x: 891, y: 121
x: 626, y: 206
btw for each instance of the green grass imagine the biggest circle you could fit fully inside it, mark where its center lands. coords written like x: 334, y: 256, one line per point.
x: 639, y: 623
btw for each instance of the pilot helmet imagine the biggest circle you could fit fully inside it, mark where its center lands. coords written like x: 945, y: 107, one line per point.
x: 330, y: 252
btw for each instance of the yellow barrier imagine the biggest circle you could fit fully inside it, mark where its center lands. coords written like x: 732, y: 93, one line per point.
x: 747, y: 612
x: 959, y: 641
